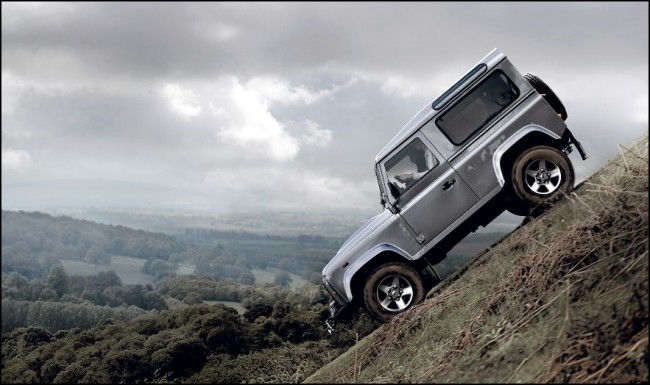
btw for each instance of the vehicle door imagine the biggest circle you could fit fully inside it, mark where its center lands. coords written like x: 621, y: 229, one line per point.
x: 468, y: 130
x: 427, y: 192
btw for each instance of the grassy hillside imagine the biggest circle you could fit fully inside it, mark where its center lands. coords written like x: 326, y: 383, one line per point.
x: 564, y: 298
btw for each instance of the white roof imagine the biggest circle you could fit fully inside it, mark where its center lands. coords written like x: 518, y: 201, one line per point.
x: 427, y: 112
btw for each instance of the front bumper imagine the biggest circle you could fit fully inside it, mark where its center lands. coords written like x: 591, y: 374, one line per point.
x: 339, y: 299
x: 336, y: 306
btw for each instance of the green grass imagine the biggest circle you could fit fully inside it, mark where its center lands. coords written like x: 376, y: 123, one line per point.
x: 562, y: 299
x: 268, y: 276
x: 127, y: 268
x: 185, y: 269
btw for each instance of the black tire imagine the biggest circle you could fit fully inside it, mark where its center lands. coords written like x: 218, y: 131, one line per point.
x: 540, y: 176
x: 550, y: 96
x: 390, y: 289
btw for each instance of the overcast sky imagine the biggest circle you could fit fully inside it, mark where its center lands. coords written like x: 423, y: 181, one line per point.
x: 266, y: 106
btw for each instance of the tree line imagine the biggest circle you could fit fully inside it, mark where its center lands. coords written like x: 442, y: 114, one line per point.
x: 58, y: 327
x: 62, y: 302
x: 33, y: 242
x: 282, y: 342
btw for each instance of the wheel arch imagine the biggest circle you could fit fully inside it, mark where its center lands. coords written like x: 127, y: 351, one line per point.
x: 386, y: 254
x: 507, y: 152
x: 531, y: 194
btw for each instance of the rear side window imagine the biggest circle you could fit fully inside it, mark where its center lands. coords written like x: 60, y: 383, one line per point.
x: 478, y: 107
x: 473, y: 74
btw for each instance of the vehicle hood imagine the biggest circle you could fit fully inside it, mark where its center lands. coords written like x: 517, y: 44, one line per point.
x: 363, y: 231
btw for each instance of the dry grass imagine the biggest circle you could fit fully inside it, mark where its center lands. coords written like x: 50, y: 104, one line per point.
x: 563, y: 299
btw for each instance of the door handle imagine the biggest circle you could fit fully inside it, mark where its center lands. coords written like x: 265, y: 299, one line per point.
x: 447, y: 185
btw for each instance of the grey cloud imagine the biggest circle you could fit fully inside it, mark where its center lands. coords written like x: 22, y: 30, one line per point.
x: 172, y: 38
x: 90, y: 102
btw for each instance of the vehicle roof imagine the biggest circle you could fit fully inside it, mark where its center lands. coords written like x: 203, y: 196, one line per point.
x: 427, y: 112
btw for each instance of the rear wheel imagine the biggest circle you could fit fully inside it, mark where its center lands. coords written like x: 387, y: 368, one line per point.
x: 540, y: 176
x: 391, y: 289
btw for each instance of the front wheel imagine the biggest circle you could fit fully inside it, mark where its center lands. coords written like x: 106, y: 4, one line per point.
x: 540, y: 176
x: 391, y: 289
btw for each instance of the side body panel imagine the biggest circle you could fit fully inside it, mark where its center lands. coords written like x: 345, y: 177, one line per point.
x: 435, y: 201
x: 389, y: 233
x: 473, y: 160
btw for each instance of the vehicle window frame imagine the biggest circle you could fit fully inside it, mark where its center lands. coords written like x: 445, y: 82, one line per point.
x: 440, y: 124
x: 472, y: 75
x: 404, y: 147
x: 380, y: 182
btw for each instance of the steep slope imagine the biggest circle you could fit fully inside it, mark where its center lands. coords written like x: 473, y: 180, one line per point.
x: 564, y: 298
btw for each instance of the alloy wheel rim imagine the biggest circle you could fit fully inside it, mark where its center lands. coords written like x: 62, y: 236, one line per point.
x: 394, y: 293
x: 543, y: 177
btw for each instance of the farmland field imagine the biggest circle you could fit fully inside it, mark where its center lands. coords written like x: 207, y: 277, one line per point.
x: 268, y: 276
x: 127, y: 268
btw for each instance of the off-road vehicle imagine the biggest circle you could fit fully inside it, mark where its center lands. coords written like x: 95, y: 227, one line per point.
x: 495, y: 141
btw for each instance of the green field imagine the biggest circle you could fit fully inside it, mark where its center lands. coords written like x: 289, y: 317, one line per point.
x: 268, y: 276
x: 185, y: 269
x: 127, y: 268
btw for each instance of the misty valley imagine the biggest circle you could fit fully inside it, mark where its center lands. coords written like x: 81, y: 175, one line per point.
x: 228, y: 295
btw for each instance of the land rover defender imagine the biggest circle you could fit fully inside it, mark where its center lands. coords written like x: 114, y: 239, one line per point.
x: 496, y: 140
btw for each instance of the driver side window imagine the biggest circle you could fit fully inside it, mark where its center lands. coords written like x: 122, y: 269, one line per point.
x: 408, y: 166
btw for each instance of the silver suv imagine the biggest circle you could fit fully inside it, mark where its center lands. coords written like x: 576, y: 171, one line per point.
x: 495, y: 141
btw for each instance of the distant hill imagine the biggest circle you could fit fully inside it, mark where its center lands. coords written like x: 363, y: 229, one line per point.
x: 32, y: 242
x: 102, y: 194
x: 563, y: 299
